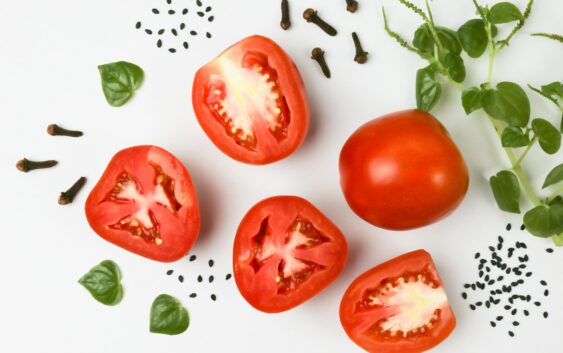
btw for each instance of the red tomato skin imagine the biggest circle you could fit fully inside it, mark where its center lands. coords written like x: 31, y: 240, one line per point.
x: 293, y: 90
x: 402, y: 171
x: 414, y: 261
x: 179, y: 237
x: 285, y: 209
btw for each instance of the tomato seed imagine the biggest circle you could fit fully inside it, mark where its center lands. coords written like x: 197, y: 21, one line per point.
x: 198, y: 2
x: 514, y: 311
x: 174, y: 31
x: 182, y: 25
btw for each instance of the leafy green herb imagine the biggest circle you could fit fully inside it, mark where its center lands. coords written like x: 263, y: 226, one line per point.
x: 506, y: 190
x: 504, y: 12
x: 508, y: 103
x: 103, y: 282
x: 472, y: 99
x: 554, y: 176
x: 545, y: 220
x: 473, y: 37
x: 513, y: 136
x: 424, y: 41
x: 428, y: 89
x: 119, y: 81
x: 548, y: 135
x: 168, y: 316
x: 455, y: 67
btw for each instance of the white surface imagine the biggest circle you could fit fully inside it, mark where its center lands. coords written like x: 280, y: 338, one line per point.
x: 50, y: 50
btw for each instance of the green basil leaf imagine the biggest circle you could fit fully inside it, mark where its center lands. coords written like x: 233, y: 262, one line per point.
x: 473, y: 37
x: 504, y: 12
x: 558, y: 239
x: 472, y: 99
x: 455, y: 66
x: 554, y: 89
x: 548, y: 135
x: 508, y: 103
x: 545, y: 221
x: 506, y: 190
x: 424, y: 41
x: 513, y: 136
x: 428, y: 89
x: 103, y: 282
x: 554, y: 176
x: 119, y: 81
x: 168, y: 316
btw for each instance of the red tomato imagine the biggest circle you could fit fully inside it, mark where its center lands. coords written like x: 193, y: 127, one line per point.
x: 286, y: 251
x: 251, y: 102
x: 399, y: 306
x: 145, y: 202
x: 402, y: 171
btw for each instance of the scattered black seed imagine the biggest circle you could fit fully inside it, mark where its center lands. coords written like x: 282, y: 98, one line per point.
x: 192, y: 258
x: 543, y: 283
x: 478, y: 304
x: 507, y: 307
x: 500, y: 278
x: 515, y: 323
x: 488, y: 269
x: 464, y: 295
x: 493, y: 324
x: 537, y: 303
x: 200, y: 14
x: 161, y: 31
x: 159, y: 43
x: 208, y: 8
x: 487, y: 278
x: 182, y: 25
x: 545, y: 314
x: 193, y: 33
x: 492, y: 292
x: 481, y: 266
x: 174, y: 31
x: 467, y: 285
x: 138, y: 25
x: 508, y: 226
x: 211, y: 18
x: 193, y: 295
x: 169, y: 272
x: 520, y: 281
x: 171, y: 12
x: 211, y: 278
x: 481, y: 285
x: 208, y: 35
x: 198, y: 2
x: 172, y: 50
x: 526, y: 312
x: 228, y: 277
x: 500, y: 239
x: 499, y: 318
x: 492, y: 248
x: 181, y: 279
x: 199, y: 278
x: 487, y: 304
x: 499, y: 291
x: 483, y: 261
x: 148, y: 31
x: 511, y: 334
x: 499, y: 246
x: 471, y: 306
x: 546, y: 293
x: 549, y: 250
x: 522, y: 227
x: 184, y: 11
x: 480, y: 274
x: 155, y: 11
x: 522, y: 266
x: 511, y: 301
x: 211, y: 263
x: 491, y: 282
x: 473, y: 286
x: 528, y: 298
x: 168, y: 2
x: 186, y: 45
x: 477, y: 255
x: 528, y: 274
x: 508, y: 270
x: 213, y: 297
x: 514, y: 311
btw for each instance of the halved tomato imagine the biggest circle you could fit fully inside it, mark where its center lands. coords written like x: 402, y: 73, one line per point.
x: 251, y: 102
x: 399, y: 306
x: 145, y: 202
x: 285, y: 252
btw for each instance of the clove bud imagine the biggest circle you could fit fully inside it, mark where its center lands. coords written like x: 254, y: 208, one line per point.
x: 68, y: 196
x: 361, y: 55
x: 56, y: 130
x: 285, y: 22
x: 319, y: 56
x: 25, y: 165
x: 352, y: 5
x: 311, y: 15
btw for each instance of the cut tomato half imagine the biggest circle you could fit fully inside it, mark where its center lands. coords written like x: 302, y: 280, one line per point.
x: 145, y: 202
x: 399, y: 306
x: 251, y: 102
x: 285, y: 252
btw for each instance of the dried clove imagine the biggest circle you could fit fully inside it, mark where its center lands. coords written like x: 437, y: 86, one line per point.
x: 352, y: 5
x: 311, y: 15
x: 68, y: 196
x: 56, y: 130
x: 285, y: 21
x: 361, y: 55
x: 319, y: 56
x: 25, y: 165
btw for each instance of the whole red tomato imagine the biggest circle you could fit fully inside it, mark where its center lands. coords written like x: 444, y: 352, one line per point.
x: 402, y: 171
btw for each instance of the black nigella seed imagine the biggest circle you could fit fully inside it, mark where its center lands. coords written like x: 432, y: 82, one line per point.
x: 480, y: 285
x: 549, y: 250
x: 507, y: 307
x: 537, y: 303
x: 488, y: 269
x: 213, y: 297
x: 478, y: 304
x: 515, y: 323
x: 155, y: 11
x: 463, y: 295
x: 467, y: 285
x: 182, y: 25
x: 186, y: 45
x: 138, y: 25
x: 200, y: 14
x: 528, y: 298
x: 211, y: 263
x: 184, y: 11
x: 543, y: 283
x: 522, y: 227
x: 493, y: 324
x: 526, y: 312
x: 161, y: 31
x: 480, y: 274
x: 491, y: 282
x: 511, y: 301
x: 172, y: 50
x: 499, y: 291
x: 199, y: 278
x: 208, y: 8
x: 483, y: 261
x: 193, y: 295
x: 522, y: 266
x: 169, y: 272
x: 511, y: 334
x: 471, y: 306
x: 508, y: 270
x: 514, y: 311
x: 499, y: 246
x: 208, y: 35
x: 487, y: 278
x: 528, y: 274
x: 481, y: 266
x: 545, y: 314
x: 148, y: 31
x: 192, y: 258
x: 500, y: 278
x: 228, y: 277
x: 477, y: 255
x: 487, y: 304
x: 492, y: 248
x: 492, y: 292
x: 497, y: 301
x: 193, y: 33
x: 546, y: 293
x: 171, y: 12
x: 211, y: 18
x: 211, y: 278
x: 508, y: 226
x: 473, y: 286
x: 174, y: 31
x: 198, y: 2
x: 500, y: 239
x: 523, y: 246
x: 520, y: 281
x: 499, y: 318
x: 181, y: 279
x: 168, y: 2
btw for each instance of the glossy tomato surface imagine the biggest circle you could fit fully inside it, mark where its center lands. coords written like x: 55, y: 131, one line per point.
x: 399, y: 306
x: 145, y: 202
x: 285, y: 252
x: 251, y: 102
x: 402, y: 171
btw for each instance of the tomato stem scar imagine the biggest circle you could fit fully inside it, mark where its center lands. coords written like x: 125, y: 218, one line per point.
x: 285, y: 22
x: 361, y: 55
x: 311, y: 15
x: 56, y: 130
x: 319, y: 56
x: 25, y: 165
x: 352, y: 5
x: 68, y: 196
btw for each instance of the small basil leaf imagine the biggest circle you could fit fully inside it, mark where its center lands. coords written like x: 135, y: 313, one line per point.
x: 506, y: 190
x: 428, y: 89
x: 119, y: 81
x: 548, y: 135
x: 504, y: 12
x: 513, y: 136
x: 103, y: 282
x: 424, y: 41
x: 545, y: 221
x: 473, y: 37
x: 455, y: 66
x: 554, y: 89
x: 508, y: 103
x: 168, y: 316
x: 472, y: 99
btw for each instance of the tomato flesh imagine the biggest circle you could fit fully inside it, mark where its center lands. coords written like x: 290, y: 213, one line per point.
x: 251, y: 102
x: 145, y: 202
x: 398, y: 306
x: 286, y: 252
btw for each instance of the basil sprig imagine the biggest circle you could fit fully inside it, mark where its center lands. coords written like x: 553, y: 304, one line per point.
x: 103, y: 282
x: 168, y: 316
x: 119, y: 81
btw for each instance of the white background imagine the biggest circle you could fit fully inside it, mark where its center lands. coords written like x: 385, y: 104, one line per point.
x: 49, y: 54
